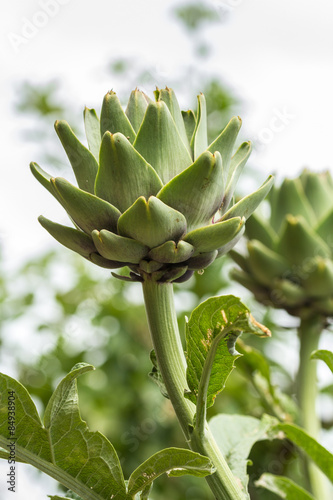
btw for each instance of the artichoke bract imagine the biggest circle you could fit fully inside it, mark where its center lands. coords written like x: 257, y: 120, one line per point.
x: 289, y: 263
x: 152, y: 193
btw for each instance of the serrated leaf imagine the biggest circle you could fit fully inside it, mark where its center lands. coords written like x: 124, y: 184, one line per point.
x: 324, y: 355
x: 174, y: 462
x: 283, y: 487
x: 321, y: 457
x: 216, y: 324
x: 235, y: 435
x: 63, y: 448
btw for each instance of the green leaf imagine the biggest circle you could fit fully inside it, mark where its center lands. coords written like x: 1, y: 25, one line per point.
x: 63, y: 448
x: 115, y: 247
x: 189, y: 122
x: 174, y: 462
x: 299, y: 242
x: 43, y: 177
x: 265, y: 264
x: 82, y: 160
x: 258, y: 228
x: 225, y: 142
x: 69, y: 237
x: 114, y: 119
x: 290, y: 199
x: 318, y: 191
x: 321, y: 457
x: 123, y: 174
x: 283, y: 487
x: 151, y: 222
x: 170, y: 252
x: 215, y: 326
x: 93, y: 133
x: 199, y: 142
x: 247, y: 205
x: 209, y: 238
x: 237, y: 164
x: 318, y: 281
x: 87, y: 210
x: 235, y: 435
x: 136, y: 108
x: 197, y: 191
x: 168, y: 96
x: 159, y: 142
x: 324, y: 355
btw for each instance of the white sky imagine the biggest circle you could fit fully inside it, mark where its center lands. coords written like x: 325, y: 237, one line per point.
x: 276, y: 54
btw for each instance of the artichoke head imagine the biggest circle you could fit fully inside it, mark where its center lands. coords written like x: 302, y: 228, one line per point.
x: 289, y: 264
x: 151, y: 193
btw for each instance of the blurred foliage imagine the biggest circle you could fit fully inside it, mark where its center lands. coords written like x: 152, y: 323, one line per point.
x: 195, y: 15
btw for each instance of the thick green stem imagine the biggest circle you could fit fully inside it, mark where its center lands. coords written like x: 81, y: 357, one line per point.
x: 309, y: 333
x: 163, y: 327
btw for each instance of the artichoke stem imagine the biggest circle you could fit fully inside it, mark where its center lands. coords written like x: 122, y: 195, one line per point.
x: 170, y: 356
x: 309, y: 334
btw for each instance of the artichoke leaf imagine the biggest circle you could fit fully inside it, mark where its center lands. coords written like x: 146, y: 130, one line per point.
x: 83, y: 162
x: 159, y: 142
x: 238, y: 162
x: 199, y: 142
x: 168, y: 96
x: 93, y: 133
x: 225, y: 142
x: 209, y: 238
x: 115, y: 247
x: 87, y: 210
x: 114, y: 119
x: 197, y: 191
x: 247, y: 205
x: 299, y: 242
x: 173, y: 253
x: 151, y: 222
x: 265, y: 264
x: 189, y: 123
x: 136, y: 108
x: 124, y: 174
x: 71, y: 238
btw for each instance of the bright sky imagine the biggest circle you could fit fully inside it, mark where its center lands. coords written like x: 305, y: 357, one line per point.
x: 276, y: 54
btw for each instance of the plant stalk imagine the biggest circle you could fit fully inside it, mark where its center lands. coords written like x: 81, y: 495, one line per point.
x: 309, y: 333
x: 170, y: 356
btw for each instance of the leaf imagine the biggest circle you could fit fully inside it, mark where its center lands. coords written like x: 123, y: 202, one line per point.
x: 174, y: 462
x: 83, y: 162
x: 283, y: 487
x: 215, y: 325
x: 113, y: 117
x: 63, y: 448
x: 156, y: 375
x: 197, y: 191
x: 321, y: 457
x: 326, y: 356
x: 199, y: 141
x: 93, y: 133
x: 235, y: 435
x: 159, y: 142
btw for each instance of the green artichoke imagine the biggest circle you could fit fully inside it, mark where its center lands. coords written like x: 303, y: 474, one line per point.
x: 290, y: 254
x: 152, y: 193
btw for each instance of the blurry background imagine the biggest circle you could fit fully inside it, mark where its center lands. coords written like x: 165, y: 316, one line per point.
x: 270, y: 63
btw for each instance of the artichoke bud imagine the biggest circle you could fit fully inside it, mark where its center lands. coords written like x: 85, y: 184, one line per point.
x: 289, y: 263
x: 151, y: 193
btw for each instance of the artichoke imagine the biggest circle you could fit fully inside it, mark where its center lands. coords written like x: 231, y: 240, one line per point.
x: 289, y: 263
x: 152, y: 194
